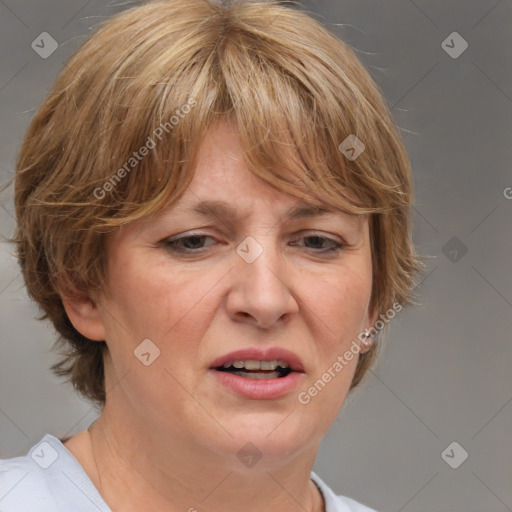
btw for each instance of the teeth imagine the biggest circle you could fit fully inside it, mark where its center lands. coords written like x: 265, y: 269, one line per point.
x: 252, y: 364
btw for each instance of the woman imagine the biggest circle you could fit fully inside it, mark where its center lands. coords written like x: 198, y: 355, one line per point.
x: 213, y: 209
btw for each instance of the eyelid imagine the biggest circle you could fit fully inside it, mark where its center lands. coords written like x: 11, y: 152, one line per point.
x: 304, y: 233
x: 184, y: 236
x: 336, y: 245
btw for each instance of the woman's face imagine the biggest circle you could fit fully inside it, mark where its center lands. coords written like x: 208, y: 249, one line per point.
x: 200, y: 286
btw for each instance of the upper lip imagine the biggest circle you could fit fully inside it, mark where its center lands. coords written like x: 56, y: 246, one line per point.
x: 259, y: 354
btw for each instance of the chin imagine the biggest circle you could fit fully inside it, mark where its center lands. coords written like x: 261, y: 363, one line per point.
x: 270, y: 439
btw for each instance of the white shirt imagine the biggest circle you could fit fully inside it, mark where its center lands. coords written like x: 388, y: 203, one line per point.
x: 49, y: 479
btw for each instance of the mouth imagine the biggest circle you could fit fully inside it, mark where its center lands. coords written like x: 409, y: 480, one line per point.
x: 256, y: 370
x: 243, y: 379
x: 257, y: 363
x: 259, y: 374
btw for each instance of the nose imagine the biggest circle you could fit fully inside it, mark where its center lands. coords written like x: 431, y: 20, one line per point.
x: 260, y: 293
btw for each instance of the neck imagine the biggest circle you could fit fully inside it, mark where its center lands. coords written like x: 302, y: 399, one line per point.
x: 133, y: 471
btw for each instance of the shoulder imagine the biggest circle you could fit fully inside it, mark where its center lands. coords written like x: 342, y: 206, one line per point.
x: 46, y: 479
x: 22, y: 486
x: 337, y: 503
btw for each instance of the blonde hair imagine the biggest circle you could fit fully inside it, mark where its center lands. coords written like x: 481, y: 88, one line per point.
x: 295, y: 91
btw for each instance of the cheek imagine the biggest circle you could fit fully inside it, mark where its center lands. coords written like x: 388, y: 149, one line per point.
x: 151, y: 299
x: 338, y: 311
x: 163, y: 305
x: 339, y: 301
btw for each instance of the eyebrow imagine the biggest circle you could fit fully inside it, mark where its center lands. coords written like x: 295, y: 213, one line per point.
x: 225, y: 210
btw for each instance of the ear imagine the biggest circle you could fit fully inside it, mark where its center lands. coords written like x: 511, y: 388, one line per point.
x: 85, y: 317
x: 373, y: 315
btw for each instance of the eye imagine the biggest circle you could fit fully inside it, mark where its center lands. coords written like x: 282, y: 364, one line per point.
x: 194, y: 243
x: 189, y: 243
x: 317, y: 240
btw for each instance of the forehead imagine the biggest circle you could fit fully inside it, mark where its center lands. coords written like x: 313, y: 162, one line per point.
x: 221, y: 173
x: 223, y: 186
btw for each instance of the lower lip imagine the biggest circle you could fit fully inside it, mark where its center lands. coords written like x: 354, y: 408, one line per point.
x: 262, y: 389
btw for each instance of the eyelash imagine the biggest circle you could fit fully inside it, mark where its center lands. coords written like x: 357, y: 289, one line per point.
x: 172, y: 244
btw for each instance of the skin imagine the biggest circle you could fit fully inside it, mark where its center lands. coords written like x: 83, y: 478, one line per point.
x: 169, y: 434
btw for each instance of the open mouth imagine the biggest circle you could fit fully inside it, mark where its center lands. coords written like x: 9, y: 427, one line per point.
x: 256, y: 374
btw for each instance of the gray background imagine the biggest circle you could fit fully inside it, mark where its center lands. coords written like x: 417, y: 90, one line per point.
x: 445, y: 374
